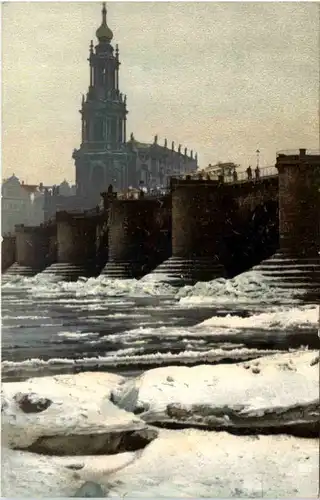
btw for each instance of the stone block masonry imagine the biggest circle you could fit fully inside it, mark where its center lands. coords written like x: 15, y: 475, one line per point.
x: 33, y: 250
x: 139, y: 236
x: 198, y: 228
x: 297, y: 263
x: 8, y: 251
x: 76, y: 245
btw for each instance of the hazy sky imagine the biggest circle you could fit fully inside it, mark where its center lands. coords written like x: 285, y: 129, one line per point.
x: 222, y: 79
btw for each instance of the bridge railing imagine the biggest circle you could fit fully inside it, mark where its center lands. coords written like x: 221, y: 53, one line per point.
x: 155, y: 193
x: 297, y: 152
x: 264, y: 172
x: 151, y: 193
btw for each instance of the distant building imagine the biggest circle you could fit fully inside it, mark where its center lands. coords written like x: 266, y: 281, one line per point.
x: 20, y: 204
x: 66, y: 190
x: 221, y: 168
x: 60, y: 197
x: 153, y: 164
x: 32, y: 204
x: 105, y: 156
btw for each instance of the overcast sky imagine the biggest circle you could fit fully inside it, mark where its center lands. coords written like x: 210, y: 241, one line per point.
x: 222, y: 79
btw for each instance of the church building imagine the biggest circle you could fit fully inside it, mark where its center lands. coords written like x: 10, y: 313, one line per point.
x: 106, y: 156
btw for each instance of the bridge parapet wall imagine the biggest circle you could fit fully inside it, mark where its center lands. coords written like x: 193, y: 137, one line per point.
x: 251, y: 194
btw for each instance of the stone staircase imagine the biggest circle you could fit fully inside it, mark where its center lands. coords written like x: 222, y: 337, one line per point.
x: 69, y: 272
x: 290, y: 271
x: 179, y: 271
x: 124, y: 270
x: 18, y: 270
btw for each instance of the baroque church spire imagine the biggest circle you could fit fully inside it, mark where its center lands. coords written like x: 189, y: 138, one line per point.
x: 100, y: 160
x: 104, y: 33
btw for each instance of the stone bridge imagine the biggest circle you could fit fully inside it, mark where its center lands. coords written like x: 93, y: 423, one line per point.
x: 199, y: 230
x: 220, y: 229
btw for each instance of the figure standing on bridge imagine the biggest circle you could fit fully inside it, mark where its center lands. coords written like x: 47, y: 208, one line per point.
x: 221, y: 178
x: 235, y: 175
x: 249, y: 173
x: 257, y: 172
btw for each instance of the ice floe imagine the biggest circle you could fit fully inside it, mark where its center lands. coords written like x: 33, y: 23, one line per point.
x: 69, y: 415
x: 38, y: 366
x: 271, y: 392
x: 125, y: 454
x: 249, y: 287
x: 298, y: 317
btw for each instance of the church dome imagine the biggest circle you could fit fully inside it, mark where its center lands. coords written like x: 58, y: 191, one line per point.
x: 104, y: 33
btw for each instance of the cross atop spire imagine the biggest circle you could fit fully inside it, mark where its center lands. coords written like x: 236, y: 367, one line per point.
x: 104, y: 33
x: 104, y: 13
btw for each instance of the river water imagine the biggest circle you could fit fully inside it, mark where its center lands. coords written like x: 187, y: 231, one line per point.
x: 51, y: 326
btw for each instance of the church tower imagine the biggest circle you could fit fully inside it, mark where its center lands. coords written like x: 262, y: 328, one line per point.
x: 102, y: 159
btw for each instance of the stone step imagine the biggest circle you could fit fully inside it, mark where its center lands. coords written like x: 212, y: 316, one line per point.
x: 68, y: 272
x: 289, y: 265
x: 179, y: 271
x: 300, y: 275
x: 292, y: 260
x: 292, y: 273
x: 280, y: 281
x: 295, y: 286
x: 123, y: 270
x: 18, y: 270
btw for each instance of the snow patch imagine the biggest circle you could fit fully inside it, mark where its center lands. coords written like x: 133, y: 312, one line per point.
x: 298, y: 317
x: 250, y: 287
x: 190, y: 463
x: 80, y: 406
x: 179, y: 464
x: 271, y: 383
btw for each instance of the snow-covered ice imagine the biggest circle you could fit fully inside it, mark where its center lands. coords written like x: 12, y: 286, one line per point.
x: 249, y: 287
x: 278, y: 383
x: 181, y: 463
x: 79, y: 405
x: 281, y: 318
x: 44, y: 285
x: 190, y: 463
x: 186, y: 463
x: 30, y: 367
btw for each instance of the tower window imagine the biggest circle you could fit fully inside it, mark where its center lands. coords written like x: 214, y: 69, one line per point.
x: 114, y: 130
x: 99, y: 129
x: 104, y: 76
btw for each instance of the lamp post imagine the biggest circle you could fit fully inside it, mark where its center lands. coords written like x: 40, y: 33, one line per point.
x: 258, y: 157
